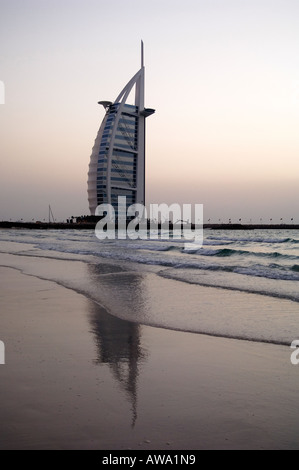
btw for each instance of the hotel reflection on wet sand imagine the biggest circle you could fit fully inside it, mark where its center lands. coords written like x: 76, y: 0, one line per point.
x: 77, y: 377
x: 118, y: 341
x: 119, y: 345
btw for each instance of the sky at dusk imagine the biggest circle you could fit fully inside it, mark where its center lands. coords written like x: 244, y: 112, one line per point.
x: 223, y: 76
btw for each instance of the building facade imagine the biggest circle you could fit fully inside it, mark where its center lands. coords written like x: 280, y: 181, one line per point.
x: 117, y: 162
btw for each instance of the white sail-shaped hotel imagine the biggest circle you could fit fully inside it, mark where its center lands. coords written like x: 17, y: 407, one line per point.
x: 117, y: 162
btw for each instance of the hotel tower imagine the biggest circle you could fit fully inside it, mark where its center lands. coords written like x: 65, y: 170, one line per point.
x: 117, y: 162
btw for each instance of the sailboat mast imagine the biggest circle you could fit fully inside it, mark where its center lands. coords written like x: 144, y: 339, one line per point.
x: 51, y: 214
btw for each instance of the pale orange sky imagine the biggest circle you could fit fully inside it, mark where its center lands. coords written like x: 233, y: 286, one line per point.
x: 222, y: 75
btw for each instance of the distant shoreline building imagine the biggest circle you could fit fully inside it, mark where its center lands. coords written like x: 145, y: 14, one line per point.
x: 117, y: 162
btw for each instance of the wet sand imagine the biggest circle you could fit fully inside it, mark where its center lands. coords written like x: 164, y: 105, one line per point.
x: 78, y: 378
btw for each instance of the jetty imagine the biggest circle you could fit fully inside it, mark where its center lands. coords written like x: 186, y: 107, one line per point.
x: 90, y: 225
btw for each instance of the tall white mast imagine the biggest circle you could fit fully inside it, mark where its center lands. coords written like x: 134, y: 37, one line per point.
x: 142, y: 54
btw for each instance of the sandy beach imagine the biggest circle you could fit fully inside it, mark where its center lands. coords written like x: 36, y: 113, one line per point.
x: 78, y: 378
x: 149, y: 227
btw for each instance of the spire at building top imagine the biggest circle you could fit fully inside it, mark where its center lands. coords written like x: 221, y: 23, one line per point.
x: 142, y: 54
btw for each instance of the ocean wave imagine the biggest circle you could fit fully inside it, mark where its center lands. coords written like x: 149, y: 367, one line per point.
x: 108, y: 286
x: 227, y: 252
x: 209, y: 242
x: 154, y: 247
x: 220, y: 264
x: 254, y: 239
x: 219, y: 256
x: 272, y: 271
x: 204, y: 279
x: 268, y: 273
x: 276, y: 272
x: 201, y: 251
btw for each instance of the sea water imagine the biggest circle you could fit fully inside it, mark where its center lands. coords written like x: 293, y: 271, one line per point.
x: 239, y: 284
